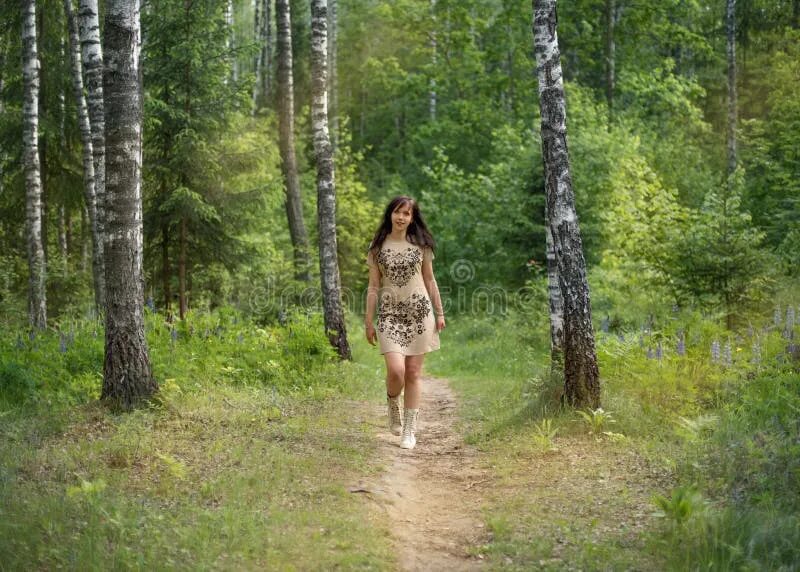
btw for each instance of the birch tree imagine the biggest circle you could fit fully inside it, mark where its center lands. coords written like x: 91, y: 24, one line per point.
x: 37, y: 300
x: 326, y: 183
x: 333, y: 73
x: 581, y: 374
x: 556, y: 304
x: 294, y: 206
x: 85, y: 129
x: 92, y: 62
x: 127, y: 377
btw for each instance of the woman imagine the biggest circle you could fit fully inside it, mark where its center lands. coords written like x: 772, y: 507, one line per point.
x: 402, y: 284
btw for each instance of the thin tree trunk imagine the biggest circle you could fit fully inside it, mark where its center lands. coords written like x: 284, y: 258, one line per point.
x: 165, y: 282
x: 326, y: 182
x: 730, y: 19
x: 92, y: 62
x: 611, y: 8
x: 37, y: 301
x: 294, y: 205
x: 85, y: 129
x: 333, y: 73
x: 264, y: 53
x: 432, y: 82
x: 257, y: 59
x: 3, y: 48
x: 269, y: 51
x: 127, y: 376
x: 581, y: 374
x: 43, y: 113
x: 231, y: 19
x: 796, y: 14
x: 183, y: 305
x: 556, y: 302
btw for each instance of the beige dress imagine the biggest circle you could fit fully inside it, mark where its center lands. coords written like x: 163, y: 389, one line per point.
x: 406, y: 322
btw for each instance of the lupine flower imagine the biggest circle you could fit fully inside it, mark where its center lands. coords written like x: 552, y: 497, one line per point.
x: 621, y: 337
x: 32, y: 335
x: 173, y: 335
x: 650, y: 353
x: 240, y: 338
x: 681, y: 349
x: 715, y: 351
x: 604, y: 325
x: 777, y: 316
x: 727, y: 358
x: 756, y: 359
x: 151, y: 304
x: 20, y: 343
x: 659, y: 351
x: 62, y: 343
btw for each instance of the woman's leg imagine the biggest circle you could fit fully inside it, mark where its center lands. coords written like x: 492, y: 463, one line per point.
x: 413, y: 381
x: 395, y: 373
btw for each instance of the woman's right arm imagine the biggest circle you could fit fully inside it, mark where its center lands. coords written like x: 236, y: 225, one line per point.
x: 372, y: 301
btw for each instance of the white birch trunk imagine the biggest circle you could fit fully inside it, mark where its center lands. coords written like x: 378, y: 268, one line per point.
x: 85, y: 129
x: 294, y: 205
x: 127, y: 377
x: 37, y: 300
x: 581, y: 375
x: 92, y: 62
x: 257, y: 64
x: 326, y: 187
x: 333, y: 73
x: 556, y: 303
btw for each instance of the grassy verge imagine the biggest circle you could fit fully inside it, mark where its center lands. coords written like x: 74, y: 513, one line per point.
x: 693, y: 463
x: 243, y: 461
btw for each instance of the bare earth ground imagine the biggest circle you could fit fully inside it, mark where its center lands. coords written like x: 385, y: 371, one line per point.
x: 581, y: 506
x: 432, y: 493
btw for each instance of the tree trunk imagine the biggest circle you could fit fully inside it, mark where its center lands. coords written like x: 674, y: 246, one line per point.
x: 556, y: 303
x: 730, y: 20
x: 611, y: 9
x: 265, y: 54
x: 92, y: 60
x: 326, y: 183
x: 581, y: 374
x: 85, y: 129
x: 257, y: 39
x: 230, y: 18
x: 294, y: 205
x: 270, y: 53
x: 3, y: 49
x: 432, y: 82
x: 183, y: 305
x: 37, y: 301
x: 165, y: 269
x: 127, y: 377
x: 333, y: 73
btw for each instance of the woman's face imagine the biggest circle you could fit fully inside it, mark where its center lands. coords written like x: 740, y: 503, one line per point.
x: 402, y: 217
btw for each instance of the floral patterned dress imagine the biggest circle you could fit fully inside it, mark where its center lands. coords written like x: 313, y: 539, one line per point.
x: 406, y: 323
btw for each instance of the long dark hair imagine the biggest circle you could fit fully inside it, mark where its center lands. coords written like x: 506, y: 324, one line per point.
x: 417, y: 232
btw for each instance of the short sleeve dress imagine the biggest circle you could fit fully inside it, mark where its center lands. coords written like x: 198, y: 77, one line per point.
x: 406, y: 323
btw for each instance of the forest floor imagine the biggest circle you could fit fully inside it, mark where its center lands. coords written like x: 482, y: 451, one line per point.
x: 582, y: 504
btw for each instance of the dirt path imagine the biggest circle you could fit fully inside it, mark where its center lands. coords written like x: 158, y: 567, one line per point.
x: 432, y: 494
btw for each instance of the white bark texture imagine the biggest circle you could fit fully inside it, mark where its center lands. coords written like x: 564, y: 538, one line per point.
x: 326, y: 187
x: 294, y: 205
x: 85, y: 129
x: 581, y: 375
x: 127, y: 375
x: 333, y: 73
x: 556, y: 303
x: 92, y: 62
x: 37, y: 301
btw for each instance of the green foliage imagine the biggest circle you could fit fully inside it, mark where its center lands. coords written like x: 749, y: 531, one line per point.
x: 597, y: 419
x: 684, y: 503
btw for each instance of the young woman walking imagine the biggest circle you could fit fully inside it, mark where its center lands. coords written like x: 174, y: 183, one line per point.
x: 410, y: 314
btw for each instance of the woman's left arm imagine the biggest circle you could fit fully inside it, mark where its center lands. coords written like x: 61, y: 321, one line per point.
x: 433, y: 291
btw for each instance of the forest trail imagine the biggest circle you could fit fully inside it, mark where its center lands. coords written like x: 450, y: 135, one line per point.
x: 432, y: 493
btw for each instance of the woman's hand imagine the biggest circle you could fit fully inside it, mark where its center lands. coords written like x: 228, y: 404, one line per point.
x: 440, y: 322
x: 372, y: 336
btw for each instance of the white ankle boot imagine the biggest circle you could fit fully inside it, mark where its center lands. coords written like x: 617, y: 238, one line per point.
x: 409, y: 428
x: 393, y: 412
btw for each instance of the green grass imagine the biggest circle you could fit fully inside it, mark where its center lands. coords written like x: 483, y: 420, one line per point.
x: 570, y: 497
x: 238, y: 463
